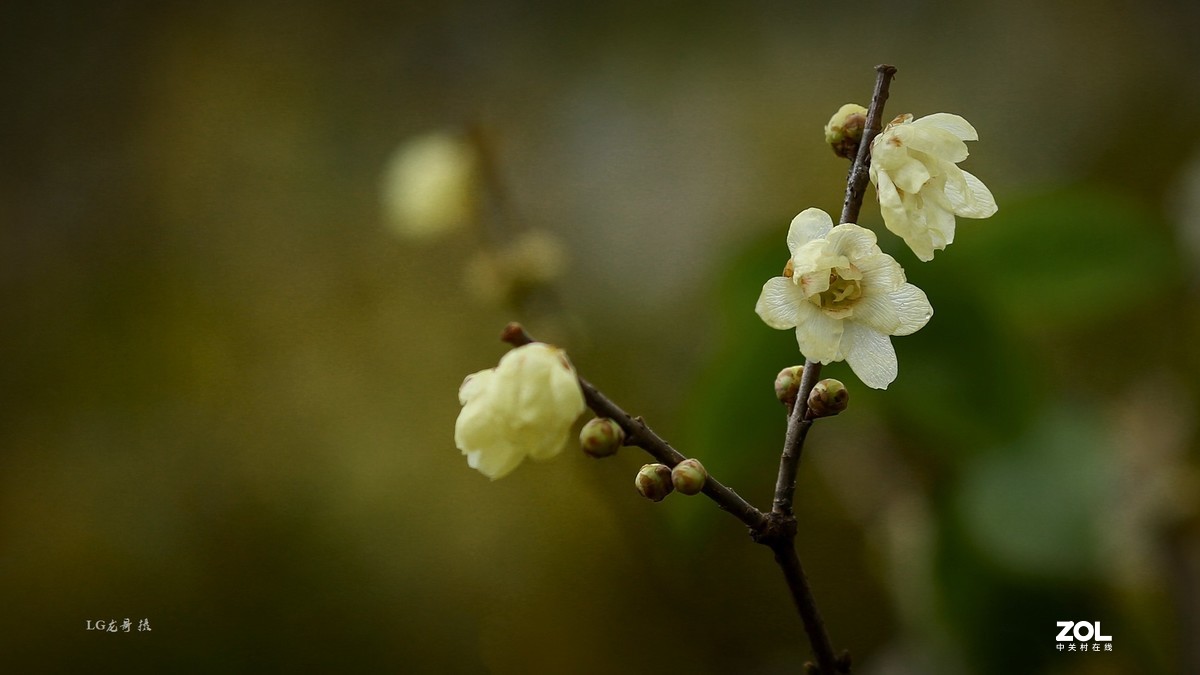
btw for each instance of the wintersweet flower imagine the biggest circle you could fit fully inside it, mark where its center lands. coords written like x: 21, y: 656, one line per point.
x: 920, y: 187
x: 430, y: 185
x: 523, y: 407
x: 844, y: 297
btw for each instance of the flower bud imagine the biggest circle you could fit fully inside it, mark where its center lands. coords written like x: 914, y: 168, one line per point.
x: 689, y: 476
x: 787, y: 384
x: 828, y: 398
x: 845, y: 129
x: 601, y: 437
x: 654, y: 482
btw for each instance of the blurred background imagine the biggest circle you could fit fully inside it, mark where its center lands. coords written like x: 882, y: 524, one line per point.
x: 229, y: 377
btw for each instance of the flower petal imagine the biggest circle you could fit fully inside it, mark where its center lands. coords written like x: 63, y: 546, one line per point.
x: 913, y: 308
x: 870, y: 355
x: 970, y: 197
x: 852, y: 241
x: 494, y: 463
x: 818, y: 336
x: 881, y: 274
x: 808, y: 225
x: 933, y: 141
x: 778, y: 304
x: 910, y: 176
x: 954, y: 124
x: 474, y: 384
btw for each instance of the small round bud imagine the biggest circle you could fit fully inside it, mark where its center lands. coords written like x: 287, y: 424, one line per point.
x: 601, y: 437
x: 828, y: 398
x: 654, y: 482
x: 845, y: 129
x: 787, y: 384
x: 689, y: 476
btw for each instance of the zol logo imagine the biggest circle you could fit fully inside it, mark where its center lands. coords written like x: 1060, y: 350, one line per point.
x: 1083, y: 631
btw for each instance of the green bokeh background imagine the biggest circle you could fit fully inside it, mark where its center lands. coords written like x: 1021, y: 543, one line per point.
x: 229, y: 391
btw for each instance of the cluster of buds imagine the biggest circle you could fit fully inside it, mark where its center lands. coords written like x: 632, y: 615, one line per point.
x: 827, y: 398
x: 656, y: 481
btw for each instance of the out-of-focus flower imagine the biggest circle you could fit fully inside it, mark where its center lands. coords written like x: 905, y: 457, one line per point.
x: 431, y: 185
x: 920, y: 187
x: 845, y: 129
x: 533, y: 258
x: 844, y: 297
x: 523, y: 407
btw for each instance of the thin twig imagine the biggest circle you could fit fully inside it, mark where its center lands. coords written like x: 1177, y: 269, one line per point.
x: 638, y: 433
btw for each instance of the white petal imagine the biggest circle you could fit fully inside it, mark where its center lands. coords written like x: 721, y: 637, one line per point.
x: 495, y: 462
x: 474, y: 384
x: 808, y: 225
x: 778, y: 304
x: 877, y: 312
x: 819, y: 336
x: 881, y: 274
x: 954, y: 124
x: 912, y: 307
x: 545, y: 445
x: 933, y: 141
x: 852, y: 241
x: 970, y: 197
x: 940, y: 225
x: 891, y: 205
x: 870, y: 355
x: 910, y: 176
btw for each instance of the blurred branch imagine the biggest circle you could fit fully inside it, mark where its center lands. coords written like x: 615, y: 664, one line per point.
x: 639, y: 434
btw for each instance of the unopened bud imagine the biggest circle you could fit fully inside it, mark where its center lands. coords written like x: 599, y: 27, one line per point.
x: 601, y: 437
x: 845, y: 129
x: 787, y: 384
x: 654, y: 482
x: 689, y: 476
x: 828, y: 398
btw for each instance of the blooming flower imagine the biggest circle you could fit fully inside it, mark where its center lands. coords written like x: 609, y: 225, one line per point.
x: 430, y: 185
x: 844, y: 297
x: 523, y: 407
x: 920, y: 187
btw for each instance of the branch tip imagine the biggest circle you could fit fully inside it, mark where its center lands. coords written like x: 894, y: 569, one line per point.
x: 515, y: 335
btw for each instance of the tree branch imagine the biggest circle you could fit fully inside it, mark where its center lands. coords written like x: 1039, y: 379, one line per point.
x: 777, y: 530
x: 800, y: 420
x: 638, y: 433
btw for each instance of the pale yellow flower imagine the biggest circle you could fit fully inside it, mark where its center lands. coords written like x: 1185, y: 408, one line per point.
x: 522, y: 408
x: 914, y: 166
x: 844, y: 297
x: 430, y: 185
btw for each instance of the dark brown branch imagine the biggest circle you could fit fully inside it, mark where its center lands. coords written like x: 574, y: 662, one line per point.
x: 856, y: 184
x: 814, y: 625
x: 638, y: 433
x: 800, y: 420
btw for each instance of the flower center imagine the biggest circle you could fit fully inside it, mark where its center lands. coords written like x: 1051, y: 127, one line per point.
x: 841, y: 292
